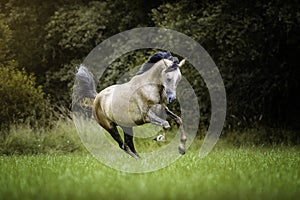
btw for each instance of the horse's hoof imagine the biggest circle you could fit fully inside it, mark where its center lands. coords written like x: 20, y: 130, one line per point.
x: 134, y: 155
x: 166, y: 125
x: 137, y: 155
x: 131, y: 153
x: 181, y: 150
x: 160, y: 138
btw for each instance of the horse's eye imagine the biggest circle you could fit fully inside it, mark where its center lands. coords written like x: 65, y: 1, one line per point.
x: 169, y: 80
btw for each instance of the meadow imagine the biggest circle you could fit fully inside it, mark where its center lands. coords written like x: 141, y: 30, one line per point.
x: 228, y: 172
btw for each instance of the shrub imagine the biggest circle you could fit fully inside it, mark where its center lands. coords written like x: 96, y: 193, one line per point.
x: 21, y: 100
x: 23, y: 140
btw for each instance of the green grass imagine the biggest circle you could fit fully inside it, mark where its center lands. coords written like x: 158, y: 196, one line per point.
x: 23, y: 139
x: 227, y: 173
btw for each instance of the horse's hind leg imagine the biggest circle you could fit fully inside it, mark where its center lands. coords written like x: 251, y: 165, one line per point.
x: 111, y: 128
x: 113, y: 131
x: 128, y: 139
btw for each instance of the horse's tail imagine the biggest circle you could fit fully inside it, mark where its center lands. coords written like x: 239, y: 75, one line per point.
x: 84, y: 87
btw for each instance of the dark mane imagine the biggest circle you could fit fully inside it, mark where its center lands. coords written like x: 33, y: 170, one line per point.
x: 154, y: 59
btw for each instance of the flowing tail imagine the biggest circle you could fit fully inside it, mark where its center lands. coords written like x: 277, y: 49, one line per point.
x: 84, y: 87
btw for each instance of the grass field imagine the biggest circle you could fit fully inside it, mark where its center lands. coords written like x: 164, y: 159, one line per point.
x: 227, y: 173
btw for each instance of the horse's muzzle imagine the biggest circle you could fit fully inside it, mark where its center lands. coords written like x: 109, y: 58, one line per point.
x: 171, y: 98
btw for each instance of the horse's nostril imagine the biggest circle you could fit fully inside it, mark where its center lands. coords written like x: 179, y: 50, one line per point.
x: 171, y: 99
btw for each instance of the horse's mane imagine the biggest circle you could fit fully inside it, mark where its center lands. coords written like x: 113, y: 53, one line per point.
x: 154, y: 59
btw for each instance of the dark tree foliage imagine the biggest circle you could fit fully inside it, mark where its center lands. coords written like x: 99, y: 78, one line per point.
x: 255, y: 44
x: 50, y: 37
x: 21, y: 100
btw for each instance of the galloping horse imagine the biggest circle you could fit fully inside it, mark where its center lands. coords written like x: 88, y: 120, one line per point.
x: 136, y: 102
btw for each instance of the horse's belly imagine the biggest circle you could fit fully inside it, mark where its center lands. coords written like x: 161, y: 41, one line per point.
x: 126, y: 114
x: 120, y: 107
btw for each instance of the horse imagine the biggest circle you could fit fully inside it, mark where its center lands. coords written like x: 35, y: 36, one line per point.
x: 137, y: 102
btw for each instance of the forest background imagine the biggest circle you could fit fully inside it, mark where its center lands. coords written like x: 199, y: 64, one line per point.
x: 255, y: 45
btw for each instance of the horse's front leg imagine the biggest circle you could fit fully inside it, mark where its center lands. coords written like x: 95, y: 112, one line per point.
x: 156, y: 120
x: 183, y: 138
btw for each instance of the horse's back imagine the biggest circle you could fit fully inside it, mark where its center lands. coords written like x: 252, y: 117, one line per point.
x: 128, y: 104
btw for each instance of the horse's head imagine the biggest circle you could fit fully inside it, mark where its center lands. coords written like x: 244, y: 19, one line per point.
x: 171, y: 76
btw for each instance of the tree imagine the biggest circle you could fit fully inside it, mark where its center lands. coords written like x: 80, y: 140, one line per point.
x: 5, y: 39
x: 21, y: 99
x: 249, y: 43
x: 75, y: 29
x: 26, y: 19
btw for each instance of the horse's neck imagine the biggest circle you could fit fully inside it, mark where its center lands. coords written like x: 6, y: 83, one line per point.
x: 154, y: 74
x: 149, y: 83
x: 150, y: 77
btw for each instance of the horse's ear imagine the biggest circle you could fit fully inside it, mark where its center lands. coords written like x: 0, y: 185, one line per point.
x: 181, y: 63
